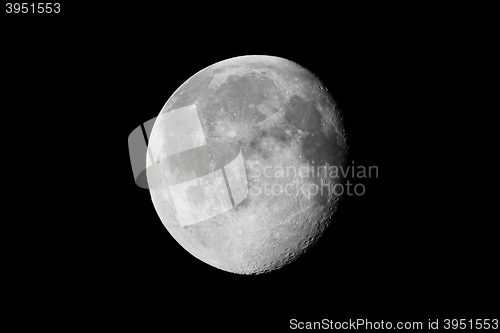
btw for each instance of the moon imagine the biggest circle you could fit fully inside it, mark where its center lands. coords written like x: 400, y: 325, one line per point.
x: 244, y: 163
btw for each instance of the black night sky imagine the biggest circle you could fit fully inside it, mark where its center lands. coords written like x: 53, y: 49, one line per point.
x: 87, y: 78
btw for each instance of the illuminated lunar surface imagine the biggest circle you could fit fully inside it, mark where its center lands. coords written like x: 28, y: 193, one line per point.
x: 244, y: 161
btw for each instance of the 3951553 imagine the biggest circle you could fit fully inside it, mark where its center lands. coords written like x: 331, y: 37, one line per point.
x: 32, y: 7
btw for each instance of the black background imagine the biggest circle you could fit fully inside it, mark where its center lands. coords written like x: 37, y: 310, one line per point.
x: 89, y: 77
